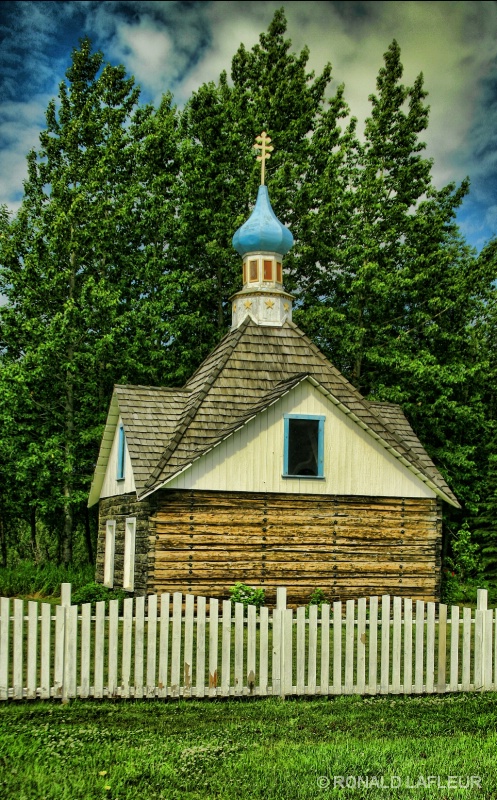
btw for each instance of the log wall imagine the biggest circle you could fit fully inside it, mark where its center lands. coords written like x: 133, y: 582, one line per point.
x: 205, y: 542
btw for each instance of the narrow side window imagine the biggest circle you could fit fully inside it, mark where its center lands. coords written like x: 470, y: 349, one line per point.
x: 121, y: 454
x: 304, y: 446
x: 129, y: 554
x: 110, y: 545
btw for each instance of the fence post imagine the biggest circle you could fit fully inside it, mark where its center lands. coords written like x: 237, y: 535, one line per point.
x: 280, y: 612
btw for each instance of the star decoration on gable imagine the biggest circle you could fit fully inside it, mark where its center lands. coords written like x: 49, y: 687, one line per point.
x: 270, y: 303
x: 248, y: 304
x: 234, y: 306
x: 286, y: 307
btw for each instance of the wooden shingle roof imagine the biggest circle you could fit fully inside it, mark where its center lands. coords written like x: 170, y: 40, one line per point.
x: 168, y: 429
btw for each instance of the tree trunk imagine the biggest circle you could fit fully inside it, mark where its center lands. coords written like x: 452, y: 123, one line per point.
x: 3, y: 542
x: 32, y: 529
x: 89, y: 545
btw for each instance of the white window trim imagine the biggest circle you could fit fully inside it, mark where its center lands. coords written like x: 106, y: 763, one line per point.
x: 110, y: 547
x: 129, y: 554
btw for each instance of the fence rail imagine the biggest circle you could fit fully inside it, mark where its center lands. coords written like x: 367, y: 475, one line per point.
x: 185, y: 646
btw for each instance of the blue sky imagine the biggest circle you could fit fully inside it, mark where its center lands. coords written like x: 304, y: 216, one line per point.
x: 179, y: 45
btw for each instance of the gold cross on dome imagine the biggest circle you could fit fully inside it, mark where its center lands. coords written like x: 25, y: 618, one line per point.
x: 263, y: 143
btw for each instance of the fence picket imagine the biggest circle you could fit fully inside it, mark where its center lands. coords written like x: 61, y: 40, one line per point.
x: 385, y: 644
x: 188, y: 654
x: 313, y: 650
x: 300, y: 654
x: 349, y: 646
x: 396, y: 644
x: 466, y: 650
x: 263, y: 650
x: 4, y: 647
x: 239, y: 648
x: 442, y: 649
x: 176, y: 645
x: 361, y: 646
x: 419, y: 656
x: 200, y: 676
x: 113, y: 647
x: 430, y: 647
x: 226, y: 649
x: 46, y: 622
x: 60, y: 618
x: 32, y: 648
x: 127, y: 644
x: 287, y: 676
x: 325, y: 649
x: 85, y: 650
x: 373, y: 646
x: 487, y: 650
x: 98, y: 689
x: 163, y: 644
x: 139, y: 644
x: 407, y: 645
x: 17, y: 666
x: 251, y: 643
x: 337, y: 647
x: 70, y: 659
x: 152, y: 643
x: 454, y: 649
x: 213, y: 644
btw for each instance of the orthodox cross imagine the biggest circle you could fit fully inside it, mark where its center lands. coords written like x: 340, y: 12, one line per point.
x: 263, y: 143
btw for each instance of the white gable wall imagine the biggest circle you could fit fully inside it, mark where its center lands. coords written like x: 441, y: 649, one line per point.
x: 251, y: 460
x: 111, y: 486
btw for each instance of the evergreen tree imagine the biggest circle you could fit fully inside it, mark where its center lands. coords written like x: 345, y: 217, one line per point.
x: 73, y: 272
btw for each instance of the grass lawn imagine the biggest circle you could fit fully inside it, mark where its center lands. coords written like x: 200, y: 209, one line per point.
x: 271, y: 749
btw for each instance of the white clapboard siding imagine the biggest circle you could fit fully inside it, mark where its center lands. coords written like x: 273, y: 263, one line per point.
x: 247, y: 652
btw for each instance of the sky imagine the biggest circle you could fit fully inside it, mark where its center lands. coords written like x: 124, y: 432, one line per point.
x: 177, y: 46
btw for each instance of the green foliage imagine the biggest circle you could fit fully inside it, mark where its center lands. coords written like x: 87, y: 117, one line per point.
x: 29, y: 579
x: 95, y: 592
x: 241, y: 593
x: 463, y: 574
x: 317, y: 598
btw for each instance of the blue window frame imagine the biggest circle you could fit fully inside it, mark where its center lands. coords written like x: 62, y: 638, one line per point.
x: 121, y: 454
x: 304, y: 446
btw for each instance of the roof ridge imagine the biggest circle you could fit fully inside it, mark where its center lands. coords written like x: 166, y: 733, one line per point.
x: 190, y: 416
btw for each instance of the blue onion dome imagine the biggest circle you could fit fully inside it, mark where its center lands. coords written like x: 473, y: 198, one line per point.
x: 262, y: 231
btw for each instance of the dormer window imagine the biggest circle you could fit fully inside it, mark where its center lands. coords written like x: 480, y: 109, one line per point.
x: 253, y: 271
x: 121, y: 454
x: 268, y: 270
x: 279, y: 272
x: 304, y: 446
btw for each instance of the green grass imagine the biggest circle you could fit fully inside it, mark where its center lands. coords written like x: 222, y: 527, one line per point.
x: 248, y: 749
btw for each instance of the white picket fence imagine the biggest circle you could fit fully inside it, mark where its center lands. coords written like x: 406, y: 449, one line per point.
x: 184, y: 647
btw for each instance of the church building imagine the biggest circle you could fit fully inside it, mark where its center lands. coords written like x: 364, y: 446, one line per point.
x: 267, y: 467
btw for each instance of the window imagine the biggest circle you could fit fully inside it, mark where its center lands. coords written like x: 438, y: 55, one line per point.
x: 304, y: 446
x: 268, y: 270
x: 129, y: 554
x: 110, y: 543
x: 279, y: 272
x: 245, y: 272
x: 253, y: 270
x: 121, y: 454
